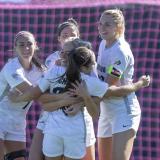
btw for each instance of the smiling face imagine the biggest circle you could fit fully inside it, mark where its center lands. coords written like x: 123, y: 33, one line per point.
x: 107, y: 28
x: 111, y: 25
x: 67, y: 32
x: 25, y: 46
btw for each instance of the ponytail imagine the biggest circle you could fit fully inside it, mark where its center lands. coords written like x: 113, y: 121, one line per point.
x: 38, y: 64
x: 73, y: 70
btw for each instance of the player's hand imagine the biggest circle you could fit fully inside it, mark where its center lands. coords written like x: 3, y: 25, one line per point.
x: 73, y: 109
x: 79, y: 89
x: 146, y: 80
x: 66, y: 95
x: 13, y: 95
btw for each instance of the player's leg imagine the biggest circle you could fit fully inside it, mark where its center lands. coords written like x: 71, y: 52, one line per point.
x: 104, y: 138
x: 54, y: 158
x: 1, y: 149
x: 15, y: 150
x: 35, y: 152
x: 123, y: 144
x: 105, y: 148
x: 90, y: 153
x: 67, y: 158
x: 124, y: 132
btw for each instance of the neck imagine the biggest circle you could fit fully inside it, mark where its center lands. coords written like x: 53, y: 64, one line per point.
x: 26, y: 64
x: 110, y: 42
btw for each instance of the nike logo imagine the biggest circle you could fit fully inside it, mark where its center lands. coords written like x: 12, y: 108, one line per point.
x: 125, y: 125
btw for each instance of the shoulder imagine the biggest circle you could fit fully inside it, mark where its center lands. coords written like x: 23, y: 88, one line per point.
x: 55, y: 71
x: 123, y: 47
x: 89, y: 78
x: 52, y: 57
x: 95, y: 86
x: 12, y: 64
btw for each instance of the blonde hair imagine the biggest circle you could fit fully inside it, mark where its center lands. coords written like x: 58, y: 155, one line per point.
x: 118, y: 19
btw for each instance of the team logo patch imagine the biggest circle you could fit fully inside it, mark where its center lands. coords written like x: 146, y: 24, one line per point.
x: 117, y: 62
x: 48, y: 62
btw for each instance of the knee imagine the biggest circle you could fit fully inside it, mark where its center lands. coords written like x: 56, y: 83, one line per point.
x: 15, y: 154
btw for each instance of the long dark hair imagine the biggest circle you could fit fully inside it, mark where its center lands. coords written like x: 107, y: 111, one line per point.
x: 69, y: 23
x: 81, y: 56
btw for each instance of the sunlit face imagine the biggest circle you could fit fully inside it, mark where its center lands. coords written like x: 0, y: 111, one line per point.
x: 66, y: 33
x: 67, y: 48
x: 107, y: 28
x: 25, y: 47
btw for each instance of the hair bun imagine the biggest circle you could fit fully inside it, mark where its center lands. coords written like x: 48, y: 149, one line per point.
x: 73, y: 21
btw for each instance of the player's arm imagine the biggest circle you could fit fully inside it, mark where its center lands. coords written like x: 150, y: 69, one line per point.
x: 121, y: 91
x: 32, y: 93
x: 56, y: 104
x: 23, y: 92
x: 47, y: 97
x: 92, y: 103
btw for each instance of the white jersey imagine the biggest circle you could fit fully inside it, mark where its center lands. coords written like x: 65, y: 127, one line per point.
x: 55, y: 84
x: 11, y: 75
x: 50, y: 60
x: 117, y: 61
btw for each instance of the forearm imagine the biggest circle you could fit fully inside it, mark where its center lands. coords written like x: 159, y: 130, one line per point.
x: 31, y: 94
x: 56, y: 104
x: 47, y: 97
x: 92, y: 104
x: 114, y: 91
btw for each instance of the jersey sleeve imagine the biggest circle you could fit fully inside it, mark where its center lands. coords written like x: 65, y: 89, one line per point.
x: 118, y: 65
x: 14, y: 75
x: 44, y: 83
x: 50, y: 60
x: 3, y: 84
x: 96, y: 87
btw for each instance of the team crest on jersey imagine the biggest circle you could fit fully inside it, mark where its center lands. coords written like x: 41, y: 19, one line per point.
x: 117, y: 62
x: 48, y: 62
x: 15, y: 75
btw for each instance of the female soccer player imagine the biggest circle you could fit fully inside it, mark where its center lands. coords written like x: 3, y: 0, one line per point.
x: 17, y: 73
x: 120, y: 117
x: 58, y: 142
x: 65, y: 30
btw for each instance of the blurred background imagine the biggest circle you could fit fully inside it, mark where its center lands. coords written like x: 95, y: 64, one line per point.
x: 41, y: 17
